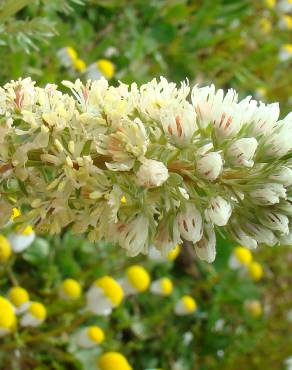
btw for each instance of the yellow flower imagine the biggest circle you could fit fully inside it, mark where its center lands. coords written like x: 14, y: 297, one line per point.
x: 71, y: 52
x: 18, y: 296
x: 265, y: 25
x: 243, y: 255
x: 27, y: 231
x: 288, y: 21
x: 113, y: 361
x: 271, y: 3
x: 5, y: 249
x: 172, y: 255
x: 123, y: 199
x: 38, y: 310
x: 15, y: 213
x: 80, y: 65
x: 96, y: 334
x: 288, y: 48
x: 7, y: 315
x: 111, y: 289
x: 254, y: 308
x: 138, y: 277
x: 255, y: 271
x: 106, y: 67
x: 166, y: 286
x: 189, y: 303
x: 71, y: 289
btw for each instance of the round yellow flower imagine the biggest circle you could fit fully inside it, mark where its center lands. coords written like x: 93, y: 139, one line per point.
x: 80, y: 65
x: 189, y: 303
x: 138, y: 277
x: 113, y: 361
x: 96, y: 334
x: 254, y: 308
x: 7, y: 315
x: 271, y: 3
x: 106, y: 67
x: 71, y: 52
x: 111, y: 288
x: 71, y: 288
x: 15, y: 213
x: 38, y: 310
x: 18, y: 296
x: 5, y: 249
x: 243, y: 255
x: 255, y: 271
x: 172, y: 255
x: 166, y: 286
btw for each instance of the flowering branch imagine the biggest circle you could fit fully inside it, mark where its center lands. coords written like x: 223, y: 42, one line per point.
x: 140, y: 166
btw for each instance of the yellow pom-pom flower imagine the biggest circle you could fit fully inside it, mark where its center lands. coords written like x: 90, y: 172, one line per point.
x: 5, y: 249
x: 79, y: 65
x: 19, y: 297
x: 137, y: 280
x: 173, y: 254
x: 106, y: 67
x: 70, y: 289
x: 255, y: 271
x: 243, y: 255
x: 101, y: 68
x: 254, y: 308
x: 35, y: 315
x: 113, y: 361
x: 7, y: 317
x: 15, y: 213
x: 185, y: 305
x: 162, y: 286
x: 90, y: 337
x: 105, y: 294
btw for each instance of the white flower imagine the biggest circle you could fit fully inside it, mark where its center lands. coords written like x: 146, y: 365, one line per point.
x: 67, y: 56
x: 136, y: 280
x: 242, y: 151
x: 285, y: 52
x: 262, y: 234
x: 206, y: 247
x: 103, y: 296
x: 132, y: 236
x: 190, y: 223
x: 210, y: 166
x: 242, y: 237
x: 179, y: 123
x: 275, y: 221
x: 20, y: 241
x: 35, y: 315
x: 162, y: 286
x: 89, y: 337
x: 151, y: 173
x: 279, y: 143
x: 219, y: 211
x: 286, y: 239
x: 156, y: 95
x: 225, y: 113
x: 265, y: 118
x: 186, y: 305
x: 269, y: 194
x: 284, y: 176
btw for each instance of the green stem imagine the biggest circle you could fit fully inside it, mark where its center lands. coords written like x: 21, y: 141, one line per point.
x: 10, y: 7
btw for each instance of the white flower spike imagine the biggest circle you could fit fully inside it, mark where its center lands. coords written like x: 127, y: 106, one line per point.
x: 149, y: 165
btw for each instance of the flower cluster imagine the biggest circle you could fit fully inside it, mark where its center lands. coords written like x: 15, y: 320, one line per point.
x: 146, y: 166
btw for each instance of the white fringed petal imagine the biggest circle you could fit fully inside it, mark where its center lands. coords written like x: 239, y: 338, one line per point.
x: 190, y: 223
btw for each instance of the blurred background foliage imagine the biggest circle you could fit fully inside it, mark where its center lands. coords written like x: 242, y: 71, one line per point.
x: 234, y: 43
